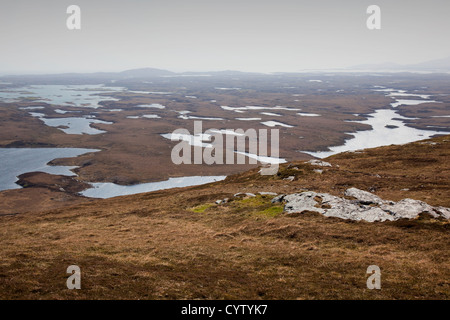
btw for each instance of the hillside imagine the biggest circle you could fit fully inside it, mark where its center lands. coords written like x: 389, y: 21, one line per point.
x: 180, y: 244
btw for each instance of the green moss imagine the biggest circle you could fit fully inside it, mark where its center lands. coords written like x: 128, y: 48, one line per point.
x: 271, y: 212
x: 259, y: 206
x: 253, y: 201
x: 202, y: 208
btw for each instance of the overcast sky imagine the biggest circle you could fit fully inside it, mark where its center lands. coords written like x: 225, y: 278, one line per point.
x: 202, y: 35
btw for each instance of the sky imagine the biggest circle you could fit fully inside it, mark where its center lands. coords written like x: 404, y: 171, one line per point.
x: 210, y: 35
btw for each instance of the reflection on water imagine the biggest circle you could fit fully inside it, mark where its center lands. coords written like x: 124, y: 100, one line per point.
x: 75, y: 125
x: 65, y: 95
x: 276, y: 123
x: 109, y: 190
x: 380, y: 135
x: 17, y: 161
x: 387, y: 126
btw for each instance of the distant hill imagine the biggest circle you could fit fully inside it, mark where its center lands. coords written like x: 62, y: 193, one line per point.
x: 96, y: 77
x: 144, y: 73
x: 434, y: 65
x: 438, y: 65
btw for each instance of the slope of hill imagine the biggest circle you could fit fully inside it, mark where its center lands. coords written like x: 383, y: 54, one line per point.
x: 179, y: 243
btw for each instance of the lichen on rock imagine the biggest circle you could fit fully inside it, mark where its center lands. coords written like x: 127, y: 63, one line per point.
x: 366, y: 206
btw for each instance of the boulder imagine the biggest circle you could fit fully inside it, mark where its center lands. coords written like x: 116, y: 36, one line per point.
x: 319, y: 163
x: 278, y: 199
x: 410, y: 209
x: 300, y: 202
x: 267, y: 193
x: 248, y: 194
x: 363, y: 197
x: 445, y: 212
x: 367, y: 206
x: 332, y: 206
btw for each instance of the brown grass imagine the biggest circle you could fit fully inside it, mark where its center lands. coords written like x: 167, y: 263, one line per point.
x: 160, y: 245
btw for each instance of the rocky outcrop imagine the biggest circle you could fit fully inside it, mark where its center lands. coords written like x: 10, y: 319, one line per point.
x: 360, y: 205
x: 263, y: 193
x: 319, y: 163
x: 248, y: 195
x: 278, y: 199
x: 363, y: 196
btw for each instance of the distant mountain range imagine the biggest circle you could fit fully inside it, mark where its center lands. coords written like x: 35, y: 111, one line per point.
x: 438, y: 65
x: 435, y: 66
x: 134, y: 73
x: 142, y: 73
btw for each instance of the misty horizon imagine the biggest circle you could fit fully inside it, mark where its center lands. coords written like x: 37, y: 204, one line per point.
x: 206, y: 36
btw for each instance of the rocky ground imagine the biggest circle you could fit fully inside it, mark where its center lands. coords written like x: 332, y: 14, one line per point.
x: 363, y: 206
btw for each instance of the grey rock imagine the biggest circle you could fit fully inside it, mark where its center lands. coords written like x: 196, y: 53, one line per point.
x: 269, y: 170
x: 367, y: 207
x: 410, y: 209
x: 332, y: 206
x: 300, y: 202
x: 278, y: 199
x: 319, y: 163
x: 429, y: 142
x: 248, y: 194
x: 268, y: 193
x: 445, y: 212
x: 290, y: 178
x: 347, y: 209
x: 363, y: 196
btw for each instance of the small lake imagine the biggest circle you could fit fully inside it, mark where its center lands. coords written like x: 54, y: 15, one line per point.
x: 202, y: 140
x: 252, y: 108
x: 388, y: 127
x: 110, y: 190
x: 87, y: 96
x: 380, y: 135
x: 74, y: 125
x: 17, y: 161
x: 186, y: 117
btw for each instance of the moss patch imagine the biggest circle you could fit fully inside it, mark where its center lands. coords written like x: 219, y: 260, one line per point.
x: 202, y: 208
x: 271, y: 212
x: 259, y: 206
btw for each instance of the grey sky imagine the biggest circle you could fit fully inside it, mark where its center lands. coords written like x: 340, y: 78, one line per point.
x: 201, y: 35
